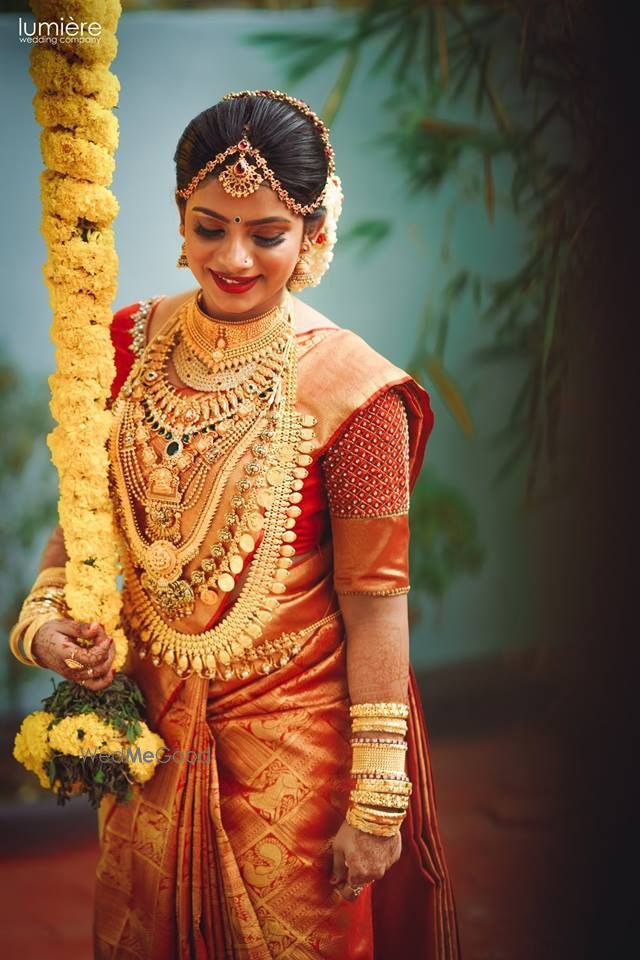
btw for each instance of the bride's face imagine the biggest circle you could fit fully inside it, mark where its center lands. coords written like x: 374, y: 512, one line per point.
x: 241, y: 251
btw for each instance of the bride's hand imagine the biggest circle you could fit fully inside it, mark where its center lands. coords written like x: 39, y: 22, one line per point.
x: 55, y: 642
x: 360, y: 858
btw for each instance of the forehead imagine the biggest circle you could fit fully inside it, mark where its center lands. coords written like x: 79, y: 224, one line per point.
x: 262, y: 203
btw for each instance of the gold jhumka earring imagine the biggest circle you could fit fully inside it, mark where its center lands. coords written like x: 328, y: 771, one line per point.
x: 182, y: 259
x: 302, y: 276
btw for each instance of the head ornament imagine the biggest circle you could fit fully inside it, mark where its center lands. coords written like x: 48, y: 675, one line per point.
x: 250, y: 170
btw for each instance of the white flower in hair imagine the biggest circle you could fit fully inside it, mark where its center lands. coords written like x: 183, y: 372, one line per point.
x: 321, y: 253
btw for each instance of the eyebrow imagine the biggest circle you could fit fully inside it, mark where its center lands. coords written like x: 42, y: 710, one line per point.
x: 249, y: 223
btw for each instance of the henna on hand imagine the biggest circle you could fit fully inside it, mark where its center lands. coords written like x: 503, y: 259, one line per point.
x: 55, y: 642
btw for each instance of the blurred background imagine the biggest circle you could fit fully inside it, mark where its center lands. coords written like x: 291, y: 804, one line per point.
x: 475, y: 250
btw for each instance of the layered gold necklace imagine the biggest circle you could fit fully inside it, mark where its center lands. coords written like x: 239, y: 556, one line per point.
x: 173, y: 453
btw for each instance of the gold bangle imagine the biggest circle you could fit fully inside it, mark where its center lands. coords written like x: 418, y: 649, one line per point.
x: 14, y: 642
x: 51, y: 577
x: 42, y: 606
x: 393, y: 710
x: 383, y: 740
x: 376, y: 829
x: 46, y: 593
x: 385, y: 800
x: 386, y: 758
x: 373, y: 774
x: 379, y: 816
x: 382, y: 724
x: 401, y: 788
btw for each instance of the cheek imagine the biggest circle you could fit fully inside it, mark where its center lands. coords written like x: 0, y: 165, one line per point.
x: 199, y: 249
x: 280, y: 259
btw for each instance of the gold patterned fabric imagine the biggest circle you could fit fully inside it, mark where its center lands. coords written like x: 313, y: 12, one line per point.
x: 224, y: 854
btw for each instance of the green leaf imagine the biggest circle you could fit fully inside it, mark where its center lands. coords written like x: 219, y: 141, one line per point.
x: 367, y: 234
x: 449, y: 393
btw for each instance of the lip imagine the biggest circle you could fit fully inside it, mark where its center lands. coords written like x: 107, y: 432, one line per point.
x: 221, y: 282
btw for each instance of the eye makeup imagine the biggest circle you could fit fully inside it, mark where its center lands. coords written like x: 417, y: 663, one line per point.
x: 262, y: 241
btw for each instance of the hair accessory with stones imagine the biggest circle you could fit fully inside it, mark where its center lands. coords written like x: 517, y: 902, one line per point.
x: 250, y: 170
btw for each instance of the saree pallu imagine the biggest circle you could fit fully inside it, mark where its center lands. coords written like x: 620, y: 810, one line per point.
x: 225, y: 853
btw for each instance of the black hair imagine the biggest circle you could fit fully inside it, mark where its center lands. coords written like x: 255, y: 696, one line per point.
x: 286, y: 138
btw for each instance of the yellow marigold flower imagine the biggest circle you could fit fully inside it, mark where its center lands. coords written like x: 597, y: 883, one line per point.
x: 80, y: 309
x: 90, y: 341
x: 73, y: 104
x: 55, y: 230
x: 51, y: 72
x: 86, y: 260
x: 73, y: 396
x: 100, y: 53
x: 75, y: 199
x: 80, y: 734
x: 105, y: 12
x: 77, y: 158
x: 148, y: 742
x: 79, y: 115
x: 123, y: 653
x: 31, y: 747
x: 97, y: 367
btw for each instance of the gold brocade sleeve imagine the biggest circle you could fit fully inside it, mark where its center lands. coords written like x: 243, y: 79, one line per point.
x: 371, y: 555
x: 366, y: 473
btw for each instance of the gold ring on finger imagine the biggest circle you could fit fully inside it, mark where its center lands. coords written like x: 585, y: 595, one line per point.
x: 73, y: 664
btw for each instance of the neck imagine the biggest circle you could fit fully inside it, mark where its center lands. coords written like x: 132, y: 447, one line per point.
x: 212, y: 313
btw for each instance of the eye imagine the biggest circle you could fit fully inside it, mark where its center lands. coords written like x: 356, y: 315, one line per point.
x: 268, y: 241
x: 207, y: 233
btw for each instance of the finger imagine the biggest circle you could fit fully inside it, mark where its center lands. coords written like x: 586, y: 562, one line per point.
x: 347, y: 892
x: 339, y: 869
x: 100, y: 671
x: 91, y: 657
x: 103, y: 668
x: 98, y: 684
x: 73, y: 628
x: 94, y: 631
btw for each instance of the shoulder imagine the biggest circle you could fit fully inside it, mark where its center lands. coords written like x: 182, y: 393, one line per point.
x: 163, y: 309
x: 307, y: 318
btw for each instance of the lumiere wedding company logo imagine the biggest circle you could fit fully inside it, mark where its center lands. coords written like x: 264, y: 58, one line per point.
x: 62, y: 30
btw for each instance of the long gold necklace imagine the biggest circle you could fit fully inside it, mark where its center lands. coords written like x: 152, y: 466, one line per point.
x: 209, y: 430
x: 278, y: 444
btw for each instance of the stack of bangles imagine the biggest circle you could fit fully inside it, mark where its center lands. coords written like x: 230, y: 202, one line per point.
x: 45, y: 602
x: 380, y: 798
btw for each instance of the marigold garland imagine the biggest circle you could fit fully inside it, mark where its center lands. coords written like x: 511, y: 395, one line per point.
x: 75, y: 94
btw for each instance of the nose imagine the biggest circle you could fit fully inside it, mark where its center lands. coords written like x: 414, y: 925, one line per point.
x: 233, y: 255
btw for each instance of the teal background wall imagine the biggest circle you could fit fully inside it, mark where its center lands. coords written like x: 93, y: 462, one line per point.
x: 171, y: 66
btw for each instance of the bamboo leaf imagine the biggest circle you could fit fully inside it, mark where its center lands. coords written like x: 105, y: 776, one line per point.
x: 481, y: 87
x: 367, y: 234
x: 489, y: 188
x: 443, y: 54
x: 339, y: 91
x: 449, y: 393
x: 550, y: 319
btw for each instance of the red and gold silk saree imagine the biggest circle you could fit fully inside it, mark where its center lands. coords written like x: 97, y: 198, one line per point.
x: 225, y: 852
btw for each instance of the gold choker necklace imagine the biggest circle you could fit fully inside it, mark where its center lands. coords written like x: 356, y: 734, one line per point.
x: 218, y: 343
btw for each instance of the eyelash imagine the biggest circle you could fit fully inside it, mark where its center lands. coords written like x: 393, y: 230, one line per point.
x: 261, y: 241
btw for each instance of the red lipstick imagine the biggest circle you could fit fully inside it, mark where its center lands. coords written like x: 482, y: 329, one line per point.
x: 233, y: 284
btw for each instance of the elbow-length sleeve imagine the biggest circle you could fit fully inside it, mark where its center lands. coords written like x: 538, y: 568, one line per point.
x: 366, y: 475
